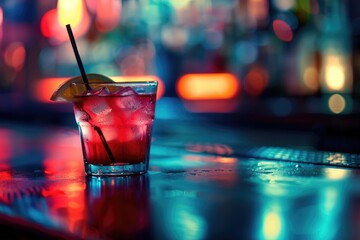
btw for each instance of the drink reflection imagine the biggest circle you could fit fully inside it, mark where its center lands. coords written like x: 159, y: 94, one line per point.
x: 118, y: 207
x: 5, y: 154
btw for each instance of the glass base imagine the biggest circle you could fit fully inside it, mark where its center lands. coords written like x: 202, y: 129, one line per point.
x: 115, y: 170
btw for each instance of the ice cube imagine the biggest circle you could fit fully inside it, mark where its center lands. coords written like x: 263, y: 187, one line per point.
x: 129, y: 100
x: 144, y: 115
x: 80, y: 115
x: 102, y: 91
x: 124, y: 91
x: 99, y: 110
x: 134, y: 133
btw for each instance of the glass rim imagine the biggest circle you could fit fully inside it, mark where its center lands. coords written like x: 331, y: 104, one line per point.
x: 117, y: 83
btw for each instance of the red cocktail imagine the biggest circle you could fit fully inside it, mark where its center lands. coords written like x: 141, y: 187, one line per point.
x: 115, y: 122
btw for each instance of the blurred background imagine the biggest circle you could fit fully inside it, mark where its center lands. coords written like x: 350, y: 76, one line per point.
x: 285, y: 63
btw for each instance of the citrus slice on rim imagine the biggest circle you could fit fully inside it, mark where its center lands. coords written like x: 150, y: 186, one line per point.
x: 63, y: 92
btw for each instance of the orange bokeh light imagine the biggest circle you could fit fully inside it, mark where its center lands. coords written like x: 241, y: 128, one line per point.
x: 46, y: 86
x: 211, y: 86
x: 52, y: 24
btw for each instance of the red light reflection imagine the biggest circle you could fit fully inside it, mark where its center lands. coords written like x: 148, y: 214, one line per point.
x: 5, y: 153
x: 58, y: 149
x: 225, y: 173
x: 5, y: 145
x: 219, y: 149
x: 63, y: 159
x: 67, y: 202
x: 119, y: 207
x: 219, y: 154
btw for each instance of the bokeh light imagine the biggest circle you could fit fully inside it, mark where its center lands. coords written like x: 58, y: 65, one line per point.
x: 258, y: 11
x: 70, y: 12
x: 337, y: 173
x: 289, y: 18
x: 246, y: 52
x: 52, y: 23
x: 174, y: 37
x: 272, y: 225
x: 208, y: 86
x: 133, y: 64
x: 284, y: 5
x: 311, y: 78
x: 305, y: 5
x: 14, y: 55
x: 256, y: 81
x: 180, y: 4
x: 334, y: 73
x: 47, y: 22
x: 108, y: 13
x: 337, y: 103
x: 282, y: 30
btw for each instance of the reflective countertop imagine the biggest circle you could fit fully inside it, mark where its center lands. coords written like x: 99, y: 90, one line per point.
x: 198, y: 187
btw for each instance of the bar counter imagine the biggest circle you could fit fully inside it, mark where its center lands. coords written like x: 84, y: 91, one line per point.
x: 203, y: 183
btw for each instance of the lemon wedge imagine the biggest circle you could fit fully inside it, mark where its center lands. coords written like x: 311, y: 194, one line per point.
x: 63, y: 92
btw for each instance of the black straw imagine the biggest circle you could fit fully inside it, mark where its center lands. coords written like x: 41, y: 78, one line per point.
x: 77, y: 56
x: 86, y: 81
x: 106, y: 146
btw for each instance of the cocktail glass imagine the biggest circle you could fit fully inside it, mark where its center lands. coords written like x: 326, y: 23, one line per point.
x: 115, y: 122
